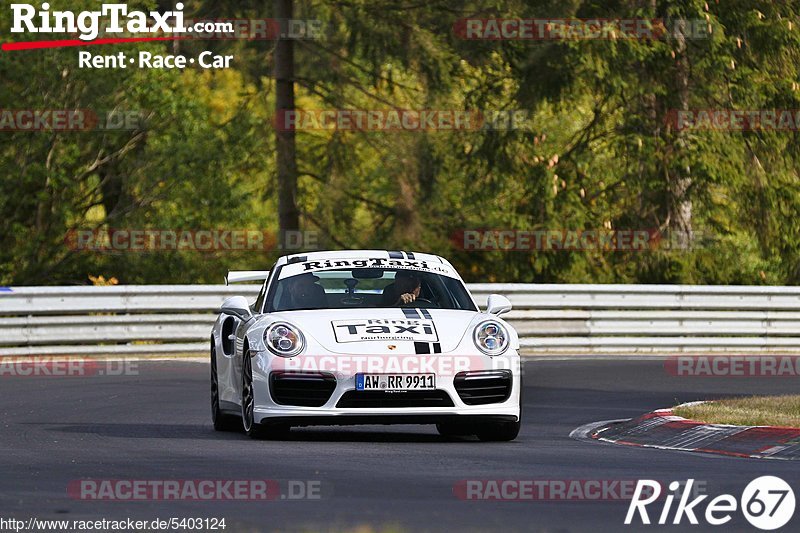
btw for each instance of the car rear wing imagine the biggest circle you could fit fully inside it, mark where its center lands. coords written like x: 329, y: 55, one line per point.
x: 241, y: 276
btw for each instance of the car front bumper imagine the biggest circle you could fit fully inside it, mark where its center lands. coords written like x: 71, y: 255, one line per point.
x: 268, y: 410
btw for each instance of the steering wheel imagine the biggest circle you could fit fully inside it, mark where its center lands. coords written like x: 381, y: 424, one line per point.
x: 411, y: 304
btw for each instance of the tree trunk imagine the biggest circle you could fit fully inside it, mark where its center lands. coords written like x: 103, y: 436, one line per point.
x: 679, y: 174
x: 286, y: 153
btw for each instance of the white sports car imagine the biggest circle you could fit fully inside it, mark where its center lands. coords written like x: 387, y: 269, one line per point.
x: 364, y: 337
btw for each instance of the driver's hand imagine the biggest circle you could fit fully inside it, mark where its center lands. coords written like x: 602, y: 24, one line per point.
x: 406, y: 298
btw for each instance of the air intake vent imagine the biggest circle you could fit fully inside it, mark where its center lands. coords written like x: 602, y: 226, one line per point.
x: 424, y: 398
x: 305, y: 389
x: 483, y: 387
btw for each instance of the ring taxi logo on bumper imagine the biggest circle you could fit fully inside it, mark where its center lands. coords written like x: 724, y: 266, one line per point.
x: 418, y: 330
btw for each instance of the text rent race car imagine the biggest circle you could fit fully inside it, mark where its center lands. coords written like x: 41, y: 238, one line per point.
x: 364, y: 337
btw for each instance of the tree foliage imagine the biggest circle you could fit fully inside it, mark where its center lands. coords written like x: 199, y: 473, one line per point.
x: 600, y: 150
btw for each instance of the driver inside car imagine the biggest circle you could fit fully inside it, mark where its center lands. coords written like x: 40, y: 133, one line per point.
x: 306, y: 294
x: 404, y: 290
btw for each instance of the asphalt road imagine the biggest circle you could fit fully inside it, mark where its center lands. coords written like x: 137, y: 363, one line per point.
x: 155, y: 425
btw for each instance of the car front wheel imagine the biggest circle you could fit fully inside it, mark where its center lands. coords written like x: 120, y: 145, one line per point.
x: 251, y: 428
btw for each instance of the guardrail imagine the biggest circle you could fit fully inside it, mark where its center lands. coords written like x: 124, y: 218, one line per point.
x: 550, y: 318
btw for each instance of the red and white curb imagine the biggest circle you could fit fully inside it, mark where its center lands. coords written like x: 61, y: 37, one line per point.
x: 663, y: 430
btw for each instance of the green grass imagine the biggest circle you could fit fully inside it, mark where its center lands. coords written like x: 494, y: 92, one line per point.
x: 750, y: 411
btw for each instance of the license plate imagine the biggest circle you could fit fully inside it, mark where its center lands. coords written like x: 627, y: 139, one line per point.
x: 395, y: 382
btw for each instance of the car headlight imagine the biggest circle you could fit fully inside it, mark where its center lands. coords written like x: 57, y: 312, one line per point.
x: 491, y: 338
x: 284, y: 340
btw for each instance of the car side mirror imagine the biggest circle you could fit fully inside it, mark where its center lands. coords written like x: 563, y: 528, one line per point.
x: 238, y: 307
x: 497, y: 304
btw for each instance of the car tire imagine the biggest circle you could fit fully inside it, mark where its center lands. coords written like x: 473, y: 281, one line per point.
x: 221, y: 421
x: 251, y: 428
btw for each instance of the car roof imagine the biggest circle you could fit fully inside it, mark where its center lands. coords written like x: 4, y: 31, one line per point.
x: 353, y: 254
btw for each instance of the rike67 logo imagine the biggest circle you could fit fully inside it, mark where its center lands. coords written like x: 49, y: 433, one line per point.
x: 767, y: 503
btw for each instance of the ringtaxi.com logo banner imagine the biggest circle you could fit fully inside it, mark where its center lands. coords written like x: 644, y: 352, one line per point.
x: 27, y: 19
x: 120, y: 21
x: 114, y: 20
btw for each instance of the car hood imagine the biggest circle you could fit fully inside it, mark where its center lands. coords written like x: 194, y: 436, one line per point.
x: 378, y: 331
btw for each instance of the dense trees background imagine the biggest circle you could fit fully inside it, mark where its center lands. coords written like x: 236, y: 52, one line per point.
x: 600, y: 151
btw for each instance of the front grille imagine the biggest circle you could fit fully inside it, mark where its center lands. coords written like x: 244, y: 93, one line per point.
x: 306, y: 389
x: 480, y: 388
x: 413, y: 398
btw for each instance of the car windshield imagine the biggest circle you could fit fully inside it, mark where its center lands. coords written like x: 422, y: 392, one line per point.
x: 369, y: 288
